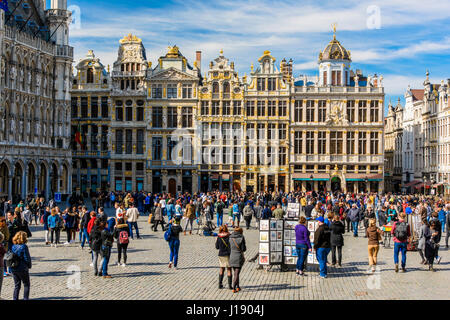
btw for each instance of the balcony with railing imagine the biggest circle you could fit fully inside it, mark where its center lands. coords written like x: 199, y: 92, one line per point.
x: 64, y: 51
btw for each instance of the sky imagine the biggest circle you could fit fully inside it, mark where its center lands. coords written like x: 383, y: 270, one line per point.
x: 398, y: 39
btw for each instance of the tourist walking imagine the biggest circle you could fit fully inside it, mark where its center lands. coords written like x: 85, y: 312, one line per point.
x: 21, y: 271
x: 302, y: 245
x: 248, y: 214
x: 122, y: 234
x: 424, y: 235
x: 354, y: 218
x: 189, y: 216
x: 3, y: 250
x: 237, y: 259
x: 337, y: 240
x: 107, y: 243
x: 401, y: 232
x: 373, y: 233
x: 174, y: 241
x: 132, y: 218
x: 223, y: 245
x: 322, y: 245
x: 95, y: 242
x: 431, y: 244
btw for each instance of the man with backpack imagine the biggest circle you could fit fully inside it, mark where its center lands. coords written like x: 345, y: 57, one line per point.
x: 122, y: 233
x: 401, y: 232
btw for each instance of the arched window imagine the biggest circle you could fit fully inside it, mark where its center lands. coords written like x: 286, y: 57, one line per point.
x: 90, y: 75
x: 226, y: 87
x: 215, y: 87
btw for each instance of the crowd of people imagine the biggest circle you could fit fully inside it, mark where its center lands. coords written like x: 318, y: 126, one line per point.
x: 336, y: 214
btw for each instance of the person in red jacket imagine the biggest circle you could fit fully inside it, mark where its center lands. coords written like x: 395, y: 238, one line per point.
x: 401, y: 232
x: 91, y: 222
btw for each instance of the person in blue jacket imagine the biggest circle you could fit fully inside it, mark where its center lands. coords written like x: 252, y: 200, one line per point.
x: 54, y: 221
x: 21, y: 272
x: 441, y: 216
x: 170, y: 208
x: 45, y: 220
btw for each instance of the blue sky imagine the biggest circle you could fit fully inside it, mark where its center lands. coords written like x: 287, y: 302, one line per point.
x: 413, y: 35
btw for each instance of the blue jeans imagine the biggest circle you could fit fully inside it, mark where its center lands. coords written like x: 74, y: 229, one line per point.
x: 219, y: 219
x: 85, y: 236
x: 106, y: 254
x: 400, y: 247
x: 355, y: 227
x: 302, y: 252
x: 174, y: 245
x: 443, y: 224
x: 236, y: 216
x: 130, y: 226
x: 322, y: 254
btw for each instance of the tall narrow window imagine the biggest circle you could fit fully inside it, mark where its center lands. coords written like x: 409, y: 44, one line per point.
x: 362, y: 111
x: 215, y: 108
x: 350, y: 143
x: 171, y: 91
x: 298, y: 142
x: 187, y: 91
x: 282, y: 108
x: 362, y: 142
x: 310, y: 111
x: 237, y: 110
x: 90, y: 75
x: 139, y: 114
x: 335, y: 142
x: 325, y: 77
x: 119, y: 141
x: 129, y: 114
x: 261, y: 108
x: 272, y: 84
x: 374, y: 143
x: 140, y: 141
x: 322, y: 110
x: 272, y: 106
x: 226, y: 108
x: 119, y: 114
x: 104, y: 107
x: 322, y: 142
x: 84, y: 107
x: 351, y: 110
x: 309, y: 142
x: 157, y: 148
x: 172, y: 117
x: 250, y: 108
x: 157, y: 117
x: 261, y: 84
x: 74, y: 106
x: 298, y: 111
x: 374, y: 111
x: 205, y: 108
x: 282, y: 131
x: 187, y: 117
x: 129, y: 141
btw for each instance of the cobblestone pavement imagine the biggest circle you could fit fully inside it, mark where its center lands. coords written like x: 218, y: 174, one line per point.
x: 147, y: 275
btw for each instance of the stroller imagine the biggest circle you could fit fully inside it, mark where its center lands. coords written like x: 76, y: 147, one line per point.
x: 205, y: 223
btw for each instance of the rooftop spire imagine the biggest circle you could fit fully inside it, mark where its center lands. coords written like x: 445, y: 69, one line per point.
x: 334, y: 25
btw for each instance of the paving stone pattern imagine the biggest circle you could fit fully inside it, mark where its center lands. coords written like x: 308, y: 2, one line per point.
x: 148, y: 277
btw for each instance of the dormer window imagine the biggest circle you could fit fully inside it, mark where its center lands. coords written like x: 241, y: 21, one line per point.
x: 90, y: 75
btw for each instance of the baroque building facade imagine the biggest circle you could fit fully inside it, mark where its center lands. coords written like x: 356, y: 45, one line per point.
x: 426, y: 147
x: 393, y: 148
x: 174, y: 130
x: 91, y: 119
x: 36, y: 59
x: 337, y: 127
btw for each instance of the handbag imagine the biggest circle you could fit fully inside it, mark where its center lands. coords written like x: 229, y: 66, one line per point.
x: 168, y: 233
x: 242, y: 254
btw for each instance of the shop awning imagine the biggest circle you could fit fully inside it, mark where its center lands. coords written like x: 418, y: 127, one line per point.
x: 363, y: 177
x: 411, y: 183
x: 419, y: 186
x: 437, y: 185
x: 307, y: 177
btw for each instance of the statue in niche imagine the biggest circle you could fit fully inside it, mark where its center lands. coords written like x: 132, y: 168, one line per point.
x: 12, y: 76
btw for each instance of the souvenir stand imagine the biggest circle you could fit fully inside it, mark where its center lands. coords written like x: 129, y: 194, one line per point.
x: 277, y: 240
x: 270, y: 242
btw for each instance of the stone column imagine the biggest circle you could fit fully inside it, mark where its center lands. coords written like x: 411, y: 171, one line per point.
x: 195, y: 181
x: 24, y: 183
x: 10, y: 178
x: 266, y: 181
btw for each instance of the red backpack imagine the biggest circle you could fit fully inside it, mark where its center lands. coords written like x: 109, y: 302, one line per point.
x: 123, y: 237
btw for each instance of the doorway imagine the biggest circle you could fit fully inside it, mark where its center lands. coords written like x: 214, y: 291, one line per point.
x: 335, y: 184
x: 173, y: 187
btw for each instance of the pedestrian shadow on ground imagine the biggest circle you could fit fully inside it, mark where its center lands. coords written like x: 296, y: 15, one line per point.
x: 135, y: 274
x: 52, y: 260
x: 57, y: 298
x: 271, y: 287
x: 146, y: 264
x: 49, y: 274
x: 206, y: 267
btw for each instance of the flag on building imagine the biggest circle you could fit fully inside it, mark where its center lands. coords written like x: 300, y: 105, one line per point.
x: 4, y: 5
x: 78, y: 137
